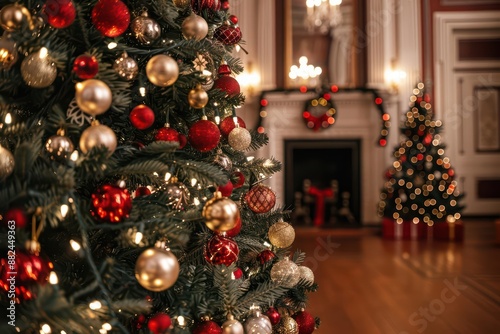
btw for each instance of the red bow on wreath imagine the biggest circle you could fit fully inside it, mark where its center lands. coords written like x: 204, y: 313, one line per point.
x: 320, y: 195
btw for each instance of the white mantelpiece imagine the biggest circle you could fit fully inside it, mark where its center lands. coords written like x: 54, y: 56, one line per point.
x: 357, y: 118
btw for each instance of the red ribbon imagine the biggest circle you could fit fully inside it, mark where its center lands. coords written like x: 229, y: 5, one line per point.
x: 320, y: 195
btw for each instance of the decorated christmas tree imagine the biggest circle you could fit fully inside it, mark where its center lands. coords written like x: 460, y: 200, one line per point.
x: 127, y: 201
x: 420, y: 185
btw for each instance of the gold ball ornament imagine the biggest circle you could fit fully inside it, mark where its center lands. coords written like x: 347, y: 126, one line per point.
x: 194, y: 27
x: 162, y: 70
x: 306, y: 274
x: 38, y: 70
x: 232, y: 326
x: 93, y: 96
x: 221, y: 213
x: 8, y: 53
x: 145, y: 29
x: 287, y: 325
x: 285, y: 273
x: 198, y: 97
x: 281, y: 234
x: 14, y: 16
x: 181, y: 3
x: 239, y: 139
x: 126, y: 67
x: 6, y: 163
x: 59, y: 146
x: 98, y: 135
x: 156, y: 269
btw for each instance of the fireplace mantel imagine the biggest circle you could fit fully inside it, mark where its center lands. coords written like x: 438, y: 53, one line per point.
x: 356, y: 118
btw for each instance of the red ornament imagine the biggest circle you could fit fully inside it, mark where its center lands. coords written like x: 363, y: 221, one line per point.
x: 305, y: 322
x: 111, y: 203
x: 207, y: 327
x: 200, y: 5
x: 239, y: 179
x: 225, y: 5
x: 85, y: 66
x: 266, y: 256
x: 30, y: 270
x: 111, y: 17
x: 226, y: 189
x: 221, y: 250
x: 228, y: 35
x: 260, y: 199
x: 159, y: 323
x: 60, y: 13
x: 142, y: 191
x: 139, y: 321
x: 451, y: 172
x: 228, y: 124
x: 167, y: 134
x: 228, y: 84
x: 182, y: 141
x: 204, y: 135
x: 237, y: 273
x: 389, y: 173
x: 427, y: 140
x: 233, y: 19
x: 235, y: 230
x: 142, y: 117
x: 15, y: 215
x: 273, y: 315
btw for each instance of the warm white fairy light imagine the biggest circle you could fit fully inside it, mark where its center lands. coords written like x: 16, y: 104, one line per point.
x: 268, y: 163
x: 304, y: 71
x: 107, y: 326
x: 53, y: 279
x: 8, y: 118
x: 217, y: 120
x: 43, y: 53
x: 63, y: 332
x: 95, y: 305
x: 75, y: 245
x: 142, y: 91
x: 112, y: 45
x: 181, y: 320
x: 193, y: 182
x: 168, y: 176
x: 196, y: 201
x: 267, y: 244
x: 46, y: 329
x: 250, y: 158
x: 64, y: 210
x: 138, y: 237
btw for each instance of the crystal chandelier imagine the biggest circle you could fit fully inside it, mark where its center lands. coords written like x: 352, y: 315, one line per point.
x: 323, y: 15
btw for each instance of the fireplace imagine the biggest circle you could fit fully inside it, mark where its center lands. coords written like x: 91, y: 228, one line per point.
x: 322, y: 182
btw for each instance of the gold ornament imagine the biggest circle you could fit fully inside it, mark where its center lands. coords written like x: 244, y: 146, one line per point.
x: 281, y: 234
x: 221, y: 213
x: 239, y: 139
x: 126, y: 67
x: 14, y: 16
x: 181, y: 3
x: 38, y: 70
x: 287, y: 325
x: 198, y: 97
x: 6, y: 163
x: 306, y: 274
x: 145, y: 29
x: 194, y: 27
x: 93, y: 96
x: 232, y: 326
x: 162, y: 70
x: 285, y: 273
x: 8, y: 53
x: 156, y: 269
x: 98, y: 135
x: 59, y: 146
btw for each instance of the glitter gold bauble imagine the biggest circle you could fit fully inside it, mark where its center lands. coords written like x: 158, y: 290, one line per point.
x: 198, y: 97
x: 145, y: 29
x: 59, y: 146
x: 281, y: 234
x: 239, y: 139
x: 6, y: 163
x: 38, y: 70
x: 287, y: 325
x: 8, y: 53
x: 98, y: 135
x: 285, y: 273
x: 221, y: 213
x: 14, y: 16
x: 162, y: 70
x: 93, y: 96
x: 156, y: 269
x: 194, y: 27
x: 126, y: 67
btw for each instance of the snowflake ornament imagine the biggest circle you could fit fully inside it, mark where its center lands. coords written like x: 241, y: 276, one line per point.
x: 200, y: 63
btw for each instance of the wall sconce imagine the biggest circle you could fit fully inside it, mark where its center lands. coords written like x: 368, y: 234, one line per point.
x: 394, y: 76
x: 305, y: 74
x: 249, y: 80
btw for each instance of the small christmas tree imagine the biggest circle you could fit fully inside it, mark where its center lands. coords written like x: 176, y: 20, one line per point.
x: 420, y: 185
x: 125, y: 205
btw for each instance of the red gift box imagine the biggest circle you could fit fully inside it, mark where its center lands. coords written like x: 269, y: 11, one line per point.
x: 407, y: 230
x: 449, y: 231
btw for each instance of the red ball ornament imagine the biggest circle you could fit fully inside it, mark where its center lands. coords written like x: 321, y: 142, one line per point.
x: 167, y: 134
x: 273, y: 315
x: 221, y: 250
x: 142, y: 117
x: 182, y: 141
x: 233, y: 19
x: 111, y: 203
x: 228, y: 35
x: 207, y: 327
x: 266, y: 256
x: 226, y: 189
x: 238, y: 179
x: 451, y: 172
x: 159, y: 323
x: 235, y: 230
x: 305, y: 322
x: 111, y: 17
x: 16, y: 215
x: 60, y: 13
x: 142, y: 191
x: 200, y: 5
x: 85, y: 66
x: 237, y: 273
x: 228, y: 84
x: 139, y: 321
x: 30, y: 270
x: 260, y: 199
x: 204, y: 135
x: 225, y: 5
x: 228, y: 124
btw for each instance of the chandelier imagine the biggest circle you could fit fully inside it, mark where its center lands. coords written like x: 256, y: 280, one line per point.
x: 323, y: 15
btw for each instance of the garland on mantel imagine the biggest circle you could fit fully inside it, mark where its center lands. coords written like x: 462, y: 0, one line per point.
x: 325, y: 100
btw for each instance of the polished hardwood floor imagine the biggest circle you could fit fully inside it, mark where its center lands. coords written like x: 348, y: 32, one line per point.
x: 371, y: 285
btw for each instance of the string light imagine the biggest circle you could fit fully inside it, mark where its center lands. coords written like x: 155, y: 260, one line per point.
x: 181, y: 321
x: 46, y: 329
x: 64, y: 210
x: 138, y: 237
x: 95, y: 305
x: 75, y: 245
x: 53, y: 279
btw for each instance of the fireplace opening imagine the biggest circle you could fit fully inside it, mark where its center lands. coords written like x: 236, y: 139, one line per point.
x: 322, y: 182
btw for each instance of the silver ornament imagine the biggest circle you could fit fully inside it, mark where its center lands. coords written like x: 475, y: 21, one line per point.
x: 126, y: 67
x: 306, y: 274
x: 6, y: 163
x: 59, y: 146
x: 239, y: 139
x: 223, y: 161
x: 285, y: 273
x: 145, y: 29
x: 208, y: 83
x: 38, y: 70
x: 177, y: 193
x: 232, y: 326
x: 258, y: 323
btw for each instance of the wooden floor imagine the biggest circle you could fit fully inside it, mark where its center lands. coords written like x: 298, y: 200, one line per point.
x: 370, y: 285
